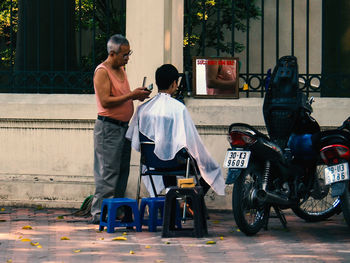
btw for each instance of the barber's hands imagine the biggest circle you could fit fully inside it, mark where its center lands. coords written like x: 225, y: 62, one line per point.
x: 140, y: 94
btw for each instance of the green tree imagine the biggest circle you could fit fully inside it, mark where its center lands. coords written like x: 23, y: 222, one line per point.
x: 8, y: 29
x: 206, y: 12
x: 103, y: 18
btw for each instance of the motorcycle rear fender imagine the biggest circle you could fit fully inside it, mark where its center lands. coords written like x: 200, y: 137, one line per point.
x: 338, y: 188
x: 267, y: 150
x: 232, y: 175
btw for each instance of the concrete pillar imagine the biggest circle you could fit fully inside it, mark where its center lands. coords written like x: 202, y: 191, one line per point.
x: 155, y: 31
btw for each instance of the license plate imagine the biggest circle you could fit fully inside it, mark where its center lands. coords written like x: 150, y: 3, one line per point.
x: 237, y: 159
x: 336, y: 173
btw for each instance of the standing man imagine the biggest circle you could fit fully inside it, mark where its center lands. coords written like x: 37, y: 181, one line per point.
x: 115, y: 108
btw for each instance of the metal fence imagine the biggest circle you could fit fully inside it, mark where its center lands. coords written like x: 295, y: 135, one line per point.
x: 52, y: 46
x: 258, y: 32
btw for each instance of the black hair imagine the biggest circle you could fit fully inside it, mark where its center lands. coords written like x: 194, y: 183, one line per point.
x: 165, y: 75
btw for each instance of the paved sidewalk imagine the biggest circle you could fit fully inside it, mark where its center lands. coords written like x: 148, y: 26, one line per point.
x: 327, y: 241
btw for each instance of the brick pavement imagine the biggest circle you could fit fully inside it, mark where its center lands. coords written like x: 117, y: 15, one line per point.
x: 302, y: 242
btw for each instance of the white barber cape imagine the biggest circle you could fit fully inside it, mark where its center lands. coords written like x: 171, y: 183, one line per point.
x: 167, y: 122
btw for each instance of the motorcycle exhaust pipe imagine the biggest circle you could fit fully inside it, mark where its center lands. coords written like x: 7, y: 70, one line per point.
x: 267, y: 197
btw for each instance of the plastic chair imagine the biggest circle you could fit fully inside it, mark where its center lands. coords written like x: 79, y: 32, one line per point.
x: 182, y: 165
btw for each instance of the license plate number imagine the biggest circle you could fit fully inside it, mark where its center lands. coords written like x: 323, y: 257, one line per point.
x: 237, y: 159
x: 336, y: 173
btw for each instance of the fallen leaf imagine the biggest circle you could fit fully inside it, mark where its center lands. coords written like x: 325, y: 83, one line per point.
x: 60, y: 217
x: 20, y: 237
x: 119, y: 239
x: 34, y: 244
x: 147, y: 246
x: 125, y: 234
x: 39, y: 207
x: 132, y: 252
x: 159, y: 260
x: 211, y: 242
x: 65, y: 238
x: 3, y: 209
x: 27, y: 227
x: 77, y: 251
x: 39, y: 246
x: 167, y: 242
x: 216, y: 221
x: 9, y: 261
x: 25, y: 240
x: 101, y: 238
x: 221, y: 238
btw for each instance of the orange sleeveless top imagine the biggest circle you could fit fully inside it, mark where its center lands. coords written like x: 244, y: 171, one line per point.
x: 227, y: 72
x: 122, y: 112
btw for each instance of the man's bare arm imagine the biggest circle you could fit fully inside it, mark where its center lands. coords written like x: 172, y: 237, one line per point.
x: 103, y: 89
x: 213, y: 82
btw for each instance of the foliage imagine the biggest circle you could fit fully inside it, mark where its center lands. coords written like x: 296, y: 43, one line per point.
x: 105, y: 18
x: 8, y: 28
x: 205, y: 12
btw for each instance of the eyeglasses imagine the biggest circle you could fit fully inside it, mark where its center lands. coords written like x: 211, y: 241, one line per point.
x: 125, y: 55
x: 128, y: 54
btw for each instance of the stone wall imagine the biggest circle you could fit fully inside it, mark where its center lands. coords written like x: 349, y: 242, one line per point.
x: 46, y: 152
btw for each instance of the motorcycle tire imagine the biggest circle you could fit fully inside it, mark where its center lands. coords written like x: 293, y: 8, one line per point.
x: 320, y: 205
x: 345, y: 201
x: 248, y: 216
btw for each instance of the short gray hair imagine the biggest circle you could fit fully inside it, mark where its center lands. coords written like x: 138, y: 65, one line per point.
x: 115, y: 42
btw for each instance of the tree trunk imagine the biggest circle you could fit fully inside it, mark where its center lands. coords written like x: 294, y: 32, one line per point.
x: 336, y: 49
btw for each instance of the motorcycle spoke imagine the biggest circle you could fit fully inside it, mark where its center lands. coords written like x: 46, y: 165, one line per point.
x: 252, y: 215
x: 318, y: 206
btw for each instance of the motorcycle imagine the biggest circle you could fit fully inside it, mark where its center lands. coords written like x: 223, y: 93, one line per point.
x: 278, y: 170
x: 334, y: 147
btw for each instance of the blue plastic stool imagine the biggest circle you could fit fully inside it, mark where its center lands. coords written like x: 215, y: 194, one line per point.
x: 155, y: 205
x: 109, y: 214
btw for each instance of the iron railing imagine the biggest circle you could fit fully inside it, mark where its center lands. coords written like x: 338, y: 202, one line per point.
x: 281, y: 28
x: 53, y: 46
x: 258, y: 32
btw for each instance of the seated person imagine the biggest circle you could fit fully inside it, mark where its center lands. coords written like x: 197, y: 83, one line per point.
x: 167, y: 123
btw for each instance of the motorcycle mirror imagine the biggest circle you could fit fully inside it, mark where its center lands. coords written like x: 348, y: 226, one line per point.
x: 311, y: 100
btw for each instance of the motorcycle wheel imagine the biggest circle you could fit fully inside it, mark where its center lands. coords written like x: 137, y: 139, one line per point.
x: 320, y: 204
x: 345, y: 201
x: 249, y: 217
